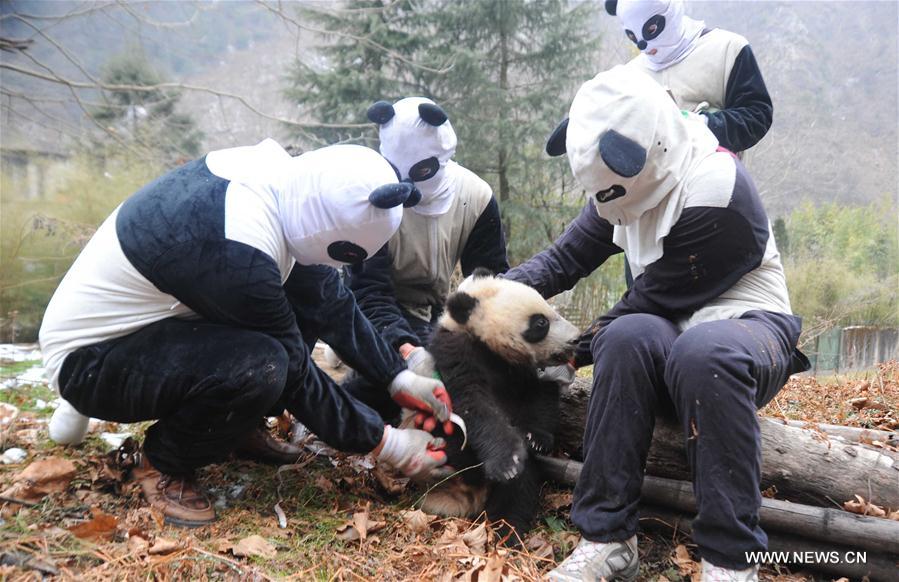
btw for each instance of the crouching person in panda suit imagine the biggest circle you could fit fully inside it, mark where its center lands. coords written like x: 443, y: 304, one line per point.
x: 403, y: 288
x: 705, y: 332
x: 196, y: 304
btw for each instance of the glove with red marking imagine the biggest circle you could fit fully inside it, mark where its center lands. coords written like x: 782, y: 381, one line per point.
x: 413, y: 452
x: 426, y: 395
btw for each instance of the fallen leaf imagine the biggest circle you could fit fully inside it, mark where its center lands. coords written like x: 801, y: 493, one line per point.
x: 164, y: 546
x: 417, y: 520
x: 685, y: 564
x: 8, y: 414
x: 539, y: 547
x: 558, y: 500
x: 138, y: 546
x: 347, y: 532
x: 360, y: 522
x: 254, y: 545
x: 41, y: 478
x: 894, y: 515
x: 102, y: 525
x: 864, y: 507
x: 392, y: 483
x: 476, y: 539
x: 493, y: 571
x: 324, y: 483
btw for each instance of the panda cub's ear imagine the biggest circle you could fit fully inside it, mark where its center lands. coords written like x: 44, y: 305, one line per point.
x: 460, y: 305
x: 482, y: 272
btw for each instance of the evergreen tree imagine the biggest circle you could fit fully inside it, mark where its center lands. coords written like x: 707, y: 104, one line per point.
x: 504, y: 70
x: 147, y: 117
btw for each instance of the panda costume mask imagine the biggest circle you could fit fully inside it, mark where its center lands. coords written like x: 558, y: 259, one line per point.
x: 632, y: 150
x: 418, y: 139
x: 329, y: 215
x: 659, y: 28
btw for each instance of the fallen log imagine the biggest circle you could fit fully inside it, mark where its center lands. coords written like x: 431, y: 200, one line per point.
x: 847, y: 433
x: 803, y: 465
x: 816, y: 523
x: 796, y: 553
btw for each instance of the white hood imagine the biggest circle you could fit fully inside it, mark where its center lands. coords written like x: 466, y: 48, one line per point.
x: 322, y: 196
x: 630, y: 147
x: 659, y: 27
x: 407, y: 139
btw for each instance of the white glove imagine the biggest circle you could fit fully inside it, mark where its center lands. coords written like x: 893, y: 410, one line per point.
x: 698, y: 118
x: 414, y: 452
x: 562, y: 375
x: 410, y: 390
x: 420, y: 361
x: 68, y: 426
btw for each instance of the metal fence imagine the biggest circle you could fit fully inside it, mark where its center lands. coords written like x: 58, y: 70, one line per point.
x: 858, y: 347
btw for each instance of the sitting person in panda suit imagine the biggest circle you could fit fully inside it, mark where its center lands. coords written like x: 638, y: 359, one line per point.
x: 196, y: 304
x: 705, y: 333
x: 403, y: 287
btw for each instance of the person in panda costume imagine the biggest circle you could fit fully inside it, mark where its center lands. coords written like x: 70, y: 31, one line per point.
x: 196, y: 304
x: 711, y: 73
x: 705, y: 332
x: 403, y: 287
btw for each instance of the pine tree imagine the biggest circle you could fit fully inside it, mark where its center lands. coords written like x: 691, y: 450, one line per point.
x: 504, y: 70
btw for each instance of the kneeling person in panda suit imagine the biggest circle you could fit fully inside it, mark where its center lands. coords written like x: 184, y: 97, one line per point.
x: 705, y: 333
x: 196, y: 304
x: 404, y: 286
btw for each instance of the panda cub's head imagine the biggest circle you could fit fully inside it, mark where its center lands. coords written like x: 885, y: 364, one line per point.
x: 511, y: 319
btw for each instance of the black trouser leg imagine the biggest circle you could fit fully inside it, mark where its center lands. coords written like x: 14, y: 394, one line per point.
x: 207, y: 385
x: 719, y: 373
x: 629, y: 356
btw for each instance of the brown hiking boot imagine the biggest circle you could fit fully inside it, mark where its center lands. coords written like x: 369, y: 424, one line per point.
x: 260, y: 445
x: 180, y: 499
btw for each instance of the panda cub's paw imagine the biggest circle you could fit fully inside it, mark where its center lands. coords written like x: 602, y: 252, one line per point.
x: 506, y: 467
x: 539, y: 441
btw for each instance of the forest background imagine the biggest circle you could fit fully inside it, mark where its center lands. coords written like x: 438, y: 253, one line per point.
x: 98, y: 98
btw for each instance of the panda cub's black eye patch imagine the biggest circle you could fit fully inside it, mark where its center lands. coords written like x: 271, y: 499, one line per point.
x: 424, y: 169
x: 538, y: 329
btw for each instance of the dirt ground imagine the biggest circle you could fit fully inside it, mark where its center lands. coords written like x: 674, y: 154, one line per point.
x: 81, y: 518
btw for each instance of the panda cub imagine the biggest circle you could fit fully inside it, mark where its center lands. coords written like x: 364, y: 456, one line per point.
x: 487, y: 347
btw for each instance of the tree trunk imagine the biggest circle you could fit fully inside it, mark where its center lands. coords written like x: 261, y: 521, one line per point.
x: 802, y: 464
x: 822, y: 524
x: 876, y: 565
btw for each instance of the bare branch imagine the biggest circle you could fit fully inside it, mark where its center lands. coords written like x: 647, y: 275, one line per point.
x: 53, y: 78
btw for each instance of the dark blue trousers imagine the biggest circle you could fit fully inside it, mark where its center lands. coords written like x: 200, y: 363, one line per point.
x: 714, y: 377
x: 207, y: 384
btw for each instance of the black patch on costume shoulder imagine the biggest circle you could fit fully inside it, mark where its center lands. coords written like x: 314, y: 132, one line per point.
x: 460, y: 305
x: 482, y: 272
x: 609, y: 194
x: 380, y: 112
x: 555, y: 145
x: 390, y: 195
x: 424, y: 170
x: 432, y: 114
x: 347, y: 252
x: 623, y: 155
x: 538, y: 329
x: 612, y: 7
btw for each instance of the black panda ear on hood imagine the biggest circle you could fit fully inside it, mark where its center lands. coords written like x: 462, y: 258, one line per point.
x: 611, y: 7
x: 432, y: 114
x: 460, y: 305
x: 555, y: 145
x: 380, y: 112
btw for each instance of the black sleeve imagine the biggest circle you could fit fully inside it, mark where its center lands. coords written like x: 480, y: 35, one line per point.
x: 707, y: 251
x: 372, y: 284
x: 580, y: 250
x: 748, y: 112
x: 486, y: 245
x: 235, y: 284
x: 318, y: 295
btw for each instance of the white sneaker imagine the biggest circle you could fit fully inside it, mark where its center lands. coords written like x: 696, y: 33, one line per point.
x: 713, y: 573
x: 594, y: 561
